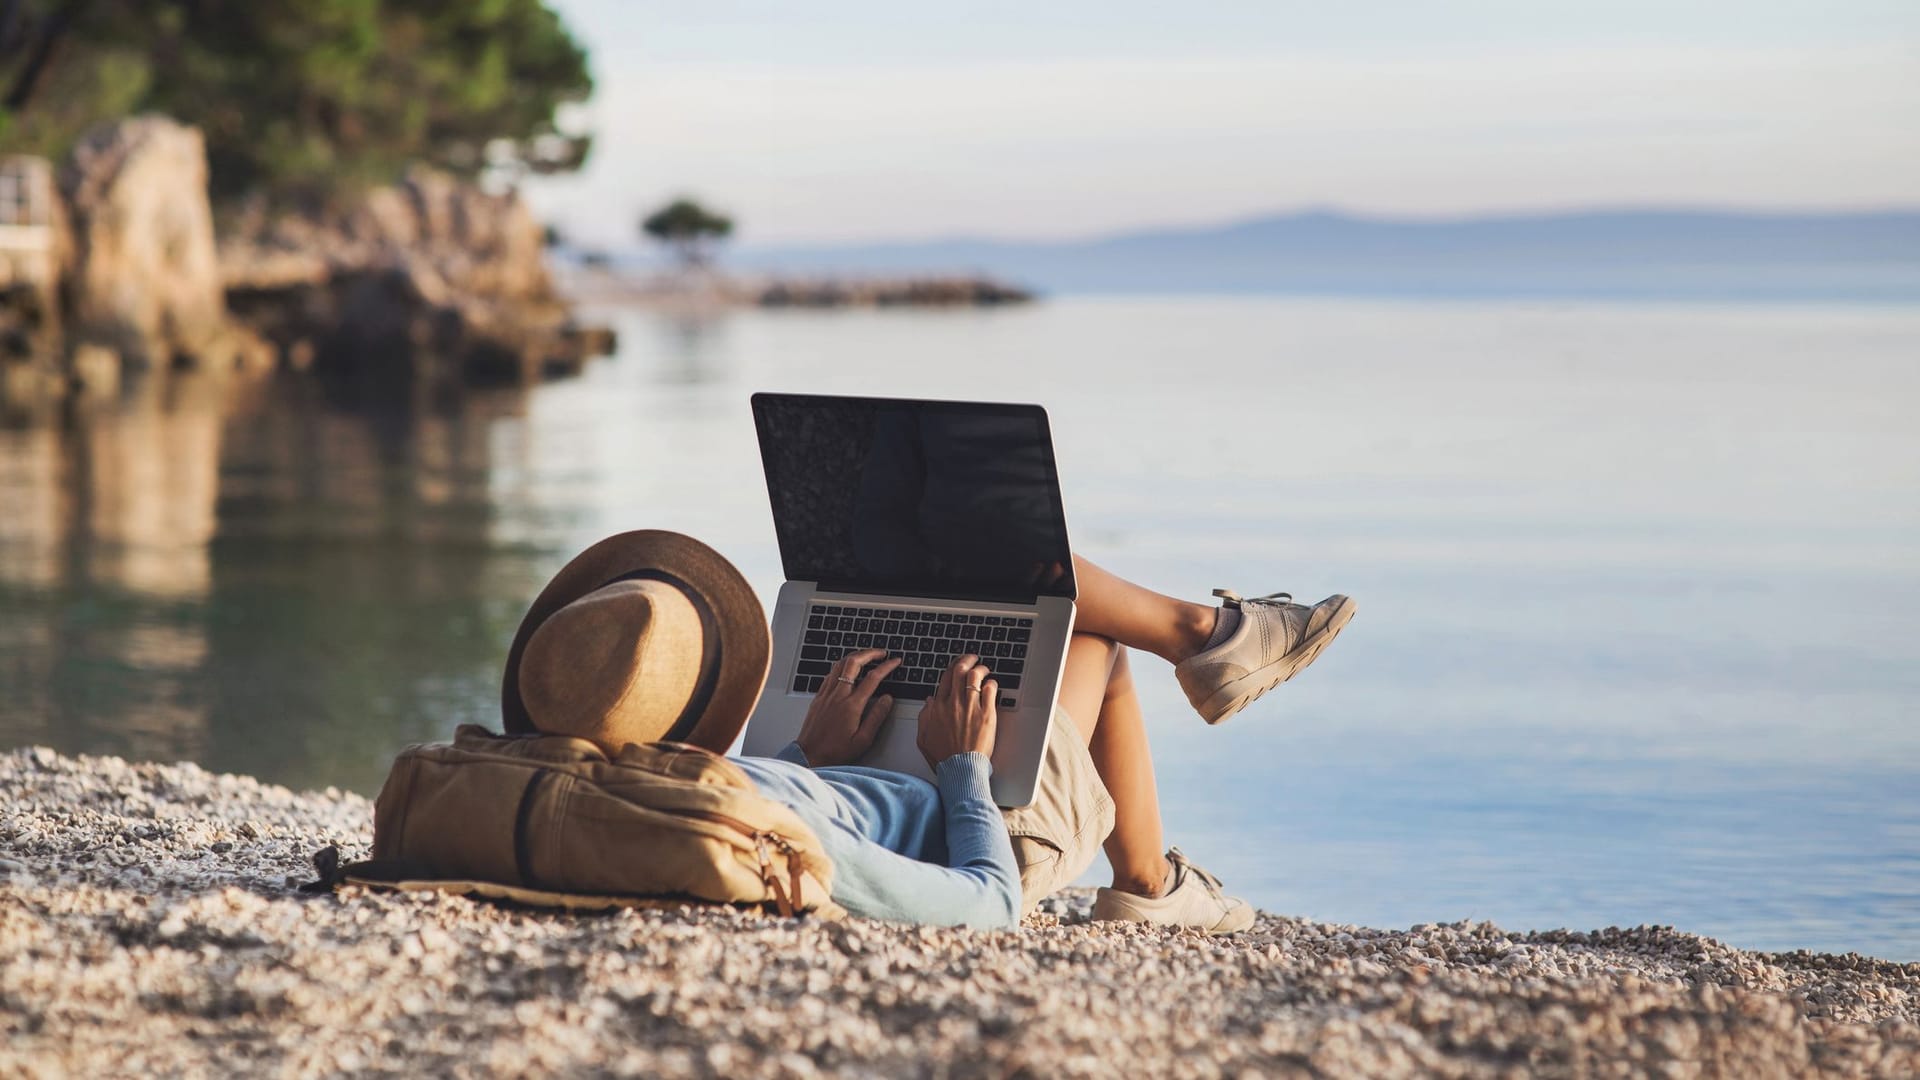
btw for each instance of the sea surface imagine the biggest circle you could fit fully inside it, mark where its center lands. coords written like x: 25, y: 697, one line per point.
x: 1639, y: 585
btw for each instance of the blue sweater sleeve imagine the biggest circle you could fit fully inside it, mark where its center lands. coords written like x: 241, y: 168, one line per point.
x: 979, y: 886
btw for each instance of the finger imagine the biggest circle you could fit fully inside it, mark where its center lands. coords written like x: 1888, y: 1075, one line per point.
x: 977, y: 675
x: 878, y: 672
x: 849, y: 665
x: 854, y: 661
x: 874, y: 715
x: 963, y: 662
x: 989, y: 694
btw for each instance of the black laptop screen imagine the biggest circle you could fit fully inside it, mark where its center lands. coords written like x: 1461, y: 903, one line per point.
x: 916, y: 498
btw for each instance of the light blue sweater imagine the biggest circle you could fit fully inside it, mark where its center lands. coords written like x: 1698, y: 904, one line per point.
x: 904, y: 849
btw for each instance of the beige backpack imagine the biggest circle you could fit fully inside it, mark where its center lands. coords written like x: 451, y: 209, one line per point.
x: 552, y: 820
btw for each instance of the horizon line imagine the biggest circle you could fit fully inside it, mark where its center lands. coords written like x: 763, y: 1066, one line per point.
x: 1335, y: 211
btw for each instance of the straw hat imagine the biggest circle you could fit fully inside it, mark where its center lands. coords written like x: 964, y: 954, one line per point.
x: 648, y: 636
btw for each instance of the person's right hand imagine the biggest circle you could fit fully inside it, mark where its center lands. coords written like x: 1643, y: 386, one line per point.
x: 960, y: 717
x: 846, y: 715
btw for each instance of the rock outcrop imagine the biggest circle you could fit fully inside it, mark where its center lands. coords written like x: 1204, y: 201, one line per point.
x: 432, y: 277
x: 887, y: 292
x: 143, y: 279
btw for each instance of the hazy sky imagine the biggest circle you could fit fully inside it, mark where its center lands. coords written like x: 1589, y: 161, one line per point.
x: 861, y: 120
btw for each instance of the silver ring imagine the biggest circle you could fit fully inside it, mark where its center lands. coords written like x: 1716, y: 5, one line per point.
x: 973, y: 689
x: 844, y: 679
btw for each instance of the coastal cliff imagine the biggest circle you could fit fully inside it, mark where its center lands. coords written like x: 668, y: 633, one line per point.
x: 151, y: 927
x: 133, y: 269
x: 430, y: 276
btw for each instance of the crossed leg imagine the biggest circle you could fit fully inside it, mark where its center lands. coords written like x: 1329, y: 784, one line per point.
x: 1137, y: 617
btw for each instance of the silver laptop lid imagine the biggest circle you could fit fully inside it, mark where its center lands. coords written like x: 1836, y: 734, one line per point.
x: 915, y: 498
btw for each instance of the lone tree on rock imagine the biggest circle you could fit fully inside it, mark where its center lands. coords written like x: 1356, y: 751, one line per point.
x: 691, y: 230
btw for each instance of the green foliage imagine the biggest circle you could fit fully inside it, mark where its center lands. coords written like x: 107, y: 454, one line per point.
x: 304, y: 98
x: 688, y: 228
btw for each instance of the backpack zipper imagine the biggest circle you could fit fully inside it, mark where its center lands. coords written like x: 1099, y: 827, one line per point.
x: 788, y: 899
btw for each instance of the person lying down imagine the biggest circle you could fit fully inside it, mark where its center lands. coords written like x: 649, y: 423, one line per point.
x: 653, y: 636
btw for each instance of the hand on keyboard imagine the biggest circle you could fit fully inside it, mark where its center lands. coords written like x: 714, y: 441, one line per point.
x: 960, y: 717
x: 847, y: 713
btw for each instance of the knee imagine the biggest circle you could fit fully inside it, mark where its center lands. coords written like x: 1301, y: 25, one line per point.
x: 1109, y: 655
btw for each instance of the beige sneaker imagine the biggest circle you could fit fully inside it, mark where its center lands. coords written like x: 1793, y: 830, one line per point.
x: 1275, y: 639
x: 1194, y: 899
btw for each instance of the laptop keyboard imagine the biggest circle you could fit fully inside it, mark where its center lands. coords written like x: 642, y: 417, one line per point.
x: 926, y: 642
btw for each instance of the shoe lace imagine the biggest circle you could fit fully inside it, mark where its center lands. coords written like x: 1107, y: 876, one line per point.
x: 1180, y: 861
x: 1278, y: 599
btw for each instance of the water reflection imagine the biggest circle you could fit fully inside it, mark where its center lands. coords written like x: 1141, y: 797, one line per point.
x: 1641, y: 637
x: 694, y: 340
x: 262, y: 576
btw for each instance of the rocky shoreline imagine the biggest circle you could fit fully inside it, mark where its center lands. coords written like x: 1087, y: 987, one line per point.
x: 711, y: 291
x: 148, y: 927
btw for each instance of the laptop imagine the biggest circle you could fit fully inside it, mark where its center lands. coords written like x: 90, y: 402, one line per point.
x: 929, y: 529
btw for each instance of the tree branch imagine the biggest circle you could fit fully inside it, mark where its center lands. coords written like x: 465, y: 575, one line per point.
x: 52, y: 31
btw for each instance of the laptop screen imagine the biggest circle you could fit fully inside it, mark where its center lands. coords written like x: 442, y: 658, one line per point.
x: 915, y: 498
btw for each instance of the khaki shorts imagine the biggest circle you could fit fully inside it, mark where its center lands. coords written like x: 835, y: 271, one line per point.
x: 1056, y: 836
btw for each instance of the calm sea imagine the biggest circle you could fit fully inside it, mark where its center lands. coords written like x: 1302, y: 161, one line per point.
x: 1639, y: 631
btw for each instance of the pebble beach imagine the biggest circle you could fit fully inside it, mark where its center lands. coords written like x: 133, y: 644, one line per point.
x: 149, y: 926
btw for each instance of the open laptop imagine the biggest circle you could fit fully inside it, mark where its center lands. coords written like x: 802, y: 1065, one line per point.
x: 929, y: 529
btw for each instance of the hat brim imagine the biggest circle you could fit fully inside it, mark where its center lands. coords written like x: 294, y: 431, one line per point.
x: 741, y: 624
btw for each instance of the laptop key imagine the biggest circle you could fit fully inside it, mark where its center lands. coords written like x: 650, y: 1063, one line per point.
x: 1020, y: 652
x: 1019, y: 635
x: 812, y: 667
x: 813, y: 622
x: 815, y: 637
x: 1026, y: 622
x: 813, y: 683
x: 833, y: 638
x: 813, y: 652
x: 1008, y: 682
x: 799, y: 684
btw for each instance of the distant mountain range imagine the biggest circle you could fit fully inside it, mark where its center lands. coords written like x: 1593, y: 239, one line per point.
x: 1627, y: 254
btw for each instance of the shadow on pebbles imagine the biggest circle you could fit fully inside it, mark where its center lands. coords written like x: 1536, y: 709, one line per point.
x: 147, y: 928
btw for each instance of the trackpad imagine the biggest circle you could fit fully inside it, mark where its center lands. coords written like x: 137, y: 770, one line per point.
x: 898, y: 746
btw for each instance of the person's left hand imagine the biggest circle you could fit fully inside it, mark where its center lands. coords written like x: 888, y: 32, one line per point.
x: 845, y: 716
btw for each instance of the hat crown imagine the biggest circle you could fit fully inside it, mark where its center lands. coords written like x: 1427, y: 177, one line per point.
x: 617, y: 666
x: 598, y: 675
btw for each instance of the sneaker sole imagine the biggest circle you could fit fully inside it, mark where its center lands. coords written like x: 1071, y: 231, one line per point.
x: 1234, y: 696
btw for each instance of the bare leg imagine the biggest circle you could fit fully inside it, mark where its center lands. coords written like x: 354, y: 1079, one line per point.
x: 1097, y: 692
x: 1113, y: 607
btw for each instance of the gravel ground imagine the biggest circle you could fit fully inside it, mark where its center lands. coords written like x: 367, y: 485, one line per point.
x: 147, y: 928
